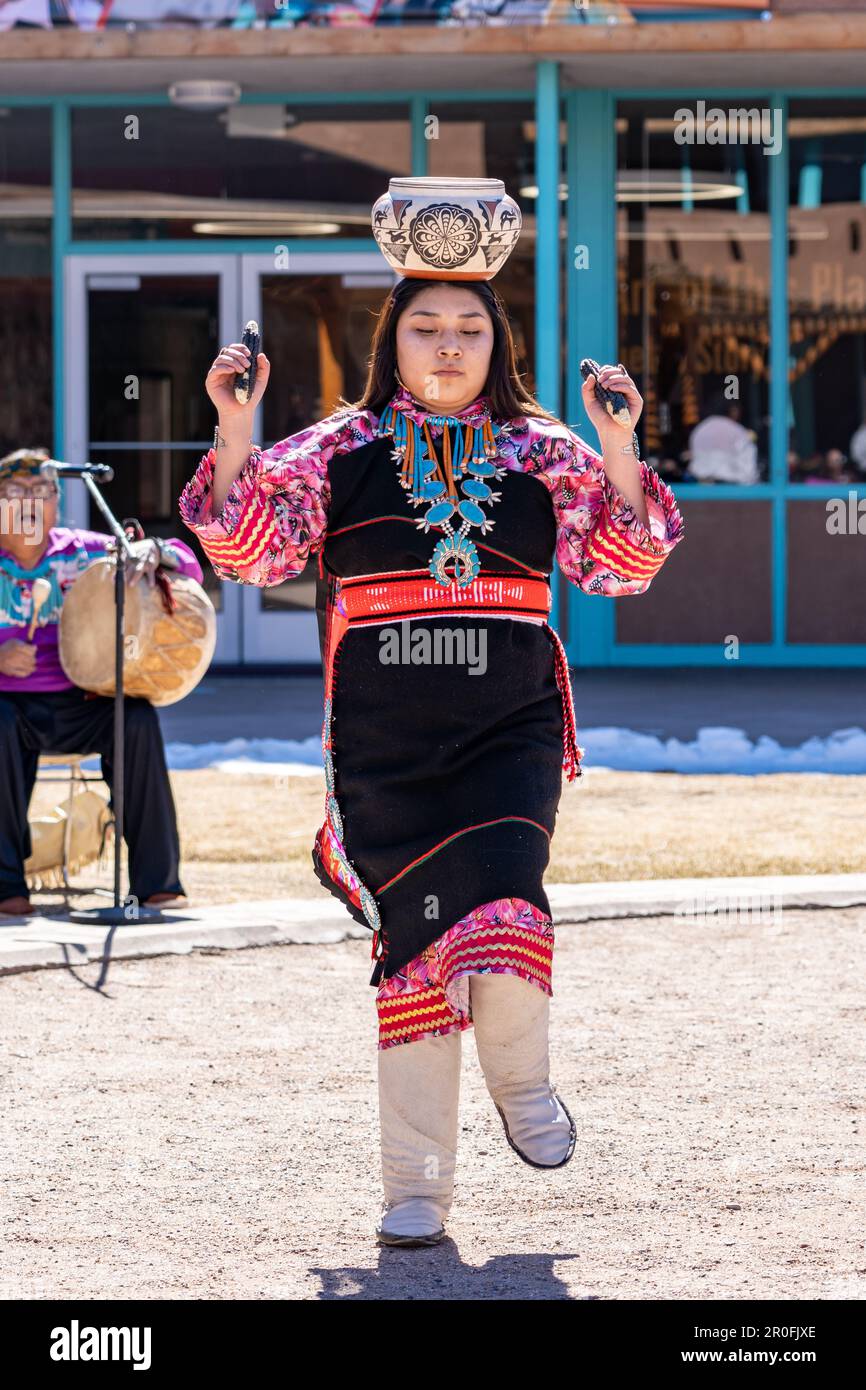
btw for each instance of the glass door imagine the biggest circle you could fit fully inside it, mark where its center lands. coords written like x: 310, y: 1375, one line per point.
x: 141, y: 334
x: 317, y: 322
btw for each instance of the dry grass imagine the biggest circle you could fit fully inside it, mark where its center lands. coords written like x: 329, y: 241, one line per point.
x: 251, y: 836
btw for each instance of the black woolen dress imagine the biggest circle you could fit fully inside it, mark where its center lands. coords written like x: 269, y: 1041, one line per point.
x: 447, y: 781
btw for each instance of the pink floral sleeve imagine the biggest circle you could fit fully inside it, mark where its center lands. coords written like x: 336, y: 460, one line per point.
x: 601, y: 544
x: 276, y: 512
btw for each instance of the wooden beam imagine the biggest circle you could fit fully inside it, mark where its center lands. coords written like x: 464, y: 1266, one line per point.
x: 784, y: 34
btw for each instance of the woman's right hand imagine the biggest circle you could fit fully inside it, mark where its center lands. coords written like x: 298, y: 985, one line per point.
x: 220, y: 384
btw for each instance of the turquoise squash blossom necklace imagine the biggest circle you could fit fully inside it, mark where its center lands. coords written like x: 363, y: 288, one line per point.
x: 469, y: 445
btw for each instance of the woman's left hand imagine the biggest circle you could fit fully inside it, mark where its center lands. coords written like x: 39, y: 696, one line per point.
x: 614, y: 379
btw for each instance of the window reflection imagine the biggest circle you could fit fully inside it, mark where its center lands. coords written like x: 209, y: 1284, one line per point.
x: 827, y: 291
x: 271, y: 170
x: 316, y: 331
x: 693, y: 252
x: 496, y: 140
x: 149, y: 346
x: 25, y: 278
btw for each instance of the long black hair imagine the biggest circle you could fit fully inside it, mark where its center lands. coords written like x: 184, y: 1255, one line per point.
x: 508, y: 396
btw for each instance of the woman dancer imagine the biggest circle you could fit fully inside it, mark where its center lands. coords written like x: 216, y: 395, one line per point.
x: 443, y: 775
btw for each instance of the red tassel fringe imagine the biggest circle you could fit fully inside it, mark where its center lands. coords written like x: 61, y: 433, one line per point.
x: 572, y: 751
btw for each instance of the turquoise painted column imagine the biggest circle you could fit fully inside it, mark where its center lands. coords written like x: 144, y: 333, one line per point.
x: 418, y: 116
x: 548, y: 321
x: 741, y: 179
x: 780, y: 357
x: 811, y: 176
x: 548, y: 341
x: 688, y: 200
x: 591, y: 315
x: 61, y: 235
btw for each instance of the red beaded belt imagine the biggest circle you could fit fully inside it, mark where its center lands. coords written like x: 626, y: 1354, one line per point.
x: 375, y: 598
x: 401, y: 596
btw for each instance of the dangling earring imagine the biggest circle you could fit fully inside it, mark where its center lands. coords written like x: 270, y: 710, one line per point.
x: 423, y: 404
x: 411, y: 394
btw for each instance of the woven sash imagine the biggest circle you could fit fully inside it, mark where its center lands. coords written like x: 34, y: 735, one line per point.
x: 373, y: 598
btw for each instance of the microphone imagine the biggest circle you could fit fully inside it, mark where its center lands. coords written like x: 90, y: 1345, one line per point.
x: 99, y: 472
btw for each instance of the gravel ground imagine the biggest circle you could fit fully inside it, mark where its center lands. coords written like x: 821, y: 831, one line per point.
x: 206, y: 1128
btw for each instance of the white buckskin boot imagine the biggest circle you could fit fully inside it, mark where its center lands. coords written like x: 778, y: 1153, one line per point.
x: 511, y: 1017
x: 419, y: 1092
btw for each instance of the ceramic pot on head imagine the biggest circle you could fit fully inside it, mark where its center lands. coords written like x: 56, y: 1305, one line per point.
x: 446, y: 229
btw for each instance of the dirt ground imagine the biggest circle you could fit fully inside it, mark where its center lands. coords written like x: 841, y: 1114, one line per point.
x: 251, y: 836
x: 206, y: 1126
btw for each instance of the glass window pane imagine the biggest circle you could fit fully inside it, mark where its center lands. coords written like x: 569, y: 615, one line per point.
x: 490, y: 140
x: 496, y: 140
x: 693, y: 246
x: 827, y: 290
x: 276, y: 171
x: 151, y: 343
x: 151, y: 340
x: 25, y: 279
x: 316, y: 330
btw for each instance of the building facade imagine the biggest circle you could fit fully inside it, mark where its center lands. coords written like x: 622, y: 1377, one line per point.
x: 694, y: 199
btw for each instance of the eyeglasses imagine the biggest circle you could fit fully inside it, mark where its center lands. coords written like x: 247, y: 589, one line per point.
x: 17, y: 491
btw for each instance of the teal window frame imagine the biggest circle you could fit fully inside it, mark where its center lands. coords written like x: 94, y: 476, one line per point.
x: 592, y: 329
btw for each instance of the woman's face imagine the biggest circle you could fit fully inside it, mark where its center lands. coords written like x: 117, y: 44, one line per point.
x: 444, y: 345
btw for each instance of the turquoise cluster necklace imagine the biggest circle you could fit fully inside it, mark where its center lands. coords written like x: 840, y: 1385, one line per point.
x: 469, y: 444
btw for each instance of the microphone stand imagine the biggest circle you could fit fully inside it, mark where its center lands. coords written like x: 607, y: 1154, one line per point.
x: 118, y: 913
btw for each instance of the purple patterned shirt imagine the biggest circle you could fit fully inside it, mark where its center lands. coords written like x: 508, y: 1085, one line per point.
x: 69, y: 552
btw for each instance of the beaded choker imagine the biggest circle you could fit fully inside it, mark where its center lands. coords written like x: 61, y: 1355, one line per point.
x: 468, y: 448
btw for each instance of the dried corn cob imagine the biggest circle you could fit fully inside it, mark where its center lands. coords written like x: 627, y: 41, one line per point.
x: 245, y: 381
x: 614, y: 402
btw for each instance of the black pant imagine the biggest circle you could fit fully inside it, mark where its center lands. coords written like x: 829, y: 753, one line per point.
x: 67, y: 721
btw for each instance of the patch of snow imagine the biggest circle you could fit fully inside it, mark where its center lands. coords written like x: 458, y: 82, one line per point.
x: 716, y: 749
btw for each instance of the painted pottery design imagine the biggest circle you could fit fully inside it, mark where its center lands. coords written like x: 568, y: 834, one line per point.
x: 446, y: 229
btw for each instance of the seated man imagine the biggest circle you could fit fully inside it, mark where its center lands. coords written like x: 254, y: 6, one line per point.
x: 721, y: 450
x: 42, y: 711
